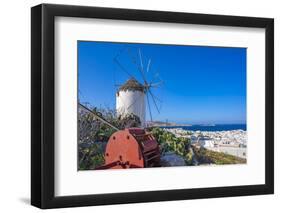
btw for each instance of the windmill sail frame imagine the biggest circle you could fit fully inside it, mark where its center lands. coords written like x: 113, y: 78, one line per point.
x: 141, y: 67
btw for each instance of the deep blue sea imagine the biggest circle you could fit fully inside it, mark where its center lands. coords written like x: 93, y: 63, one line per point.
x: 217, y: 127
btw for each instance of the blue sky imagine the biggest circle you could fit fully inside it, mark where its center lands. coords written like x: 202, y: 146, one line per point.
x: 201, y: 85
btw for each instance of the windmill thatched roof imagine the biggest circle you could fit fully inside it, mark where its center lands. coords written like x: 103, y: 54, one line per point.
x: 132, y: 85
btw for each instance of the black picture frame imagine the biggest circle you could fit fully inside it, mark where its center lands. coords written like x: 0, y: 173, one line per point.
x: 43, y: 117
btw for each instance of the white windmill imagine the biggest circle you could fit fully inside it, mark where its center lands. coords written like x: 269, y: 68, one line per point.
x: 134, y: 94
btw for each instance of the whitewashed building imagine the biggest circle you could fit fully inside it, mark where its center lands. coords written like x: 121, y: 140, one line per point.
x: 130, y: 99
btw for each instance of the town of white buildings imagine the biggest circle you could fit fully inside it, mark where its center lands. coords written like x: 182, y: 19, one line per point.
x: 233, y: 142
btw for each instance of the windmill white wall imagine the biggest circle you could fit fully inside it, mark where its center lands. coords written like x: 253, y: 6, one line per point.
x: 130, y: 101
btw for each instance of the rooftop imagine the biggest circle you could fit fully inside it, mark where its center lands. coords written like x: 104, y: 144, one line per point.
x: 132, y: 85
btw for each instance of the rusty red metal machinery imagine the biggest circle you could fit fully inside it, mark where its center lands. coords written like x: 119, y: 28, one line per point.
x: 131, y: 148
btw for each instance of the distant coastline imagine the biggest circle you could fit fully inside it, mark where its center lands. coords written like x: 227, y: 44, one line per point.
x: 216, y: 127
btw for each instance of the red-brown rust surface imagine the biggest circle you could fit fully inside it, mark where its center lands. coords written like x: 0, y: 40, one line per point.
x: 123, y: 148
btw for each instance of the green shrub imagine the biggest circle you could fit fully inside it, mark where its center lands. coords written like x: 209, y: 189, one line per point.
x: 205, y: 156
x: 94, y: 134
x: 170, y: 143
x: 91, y: 156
